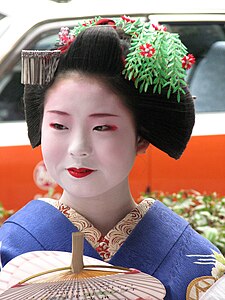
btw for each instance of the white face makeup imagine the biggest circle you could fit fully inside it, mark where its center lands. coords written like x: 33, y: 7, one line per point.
x: 88, y: 137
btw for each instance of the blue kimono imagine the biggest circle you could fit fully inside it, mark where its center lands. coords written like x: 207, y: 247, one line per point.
x: 159, y: 245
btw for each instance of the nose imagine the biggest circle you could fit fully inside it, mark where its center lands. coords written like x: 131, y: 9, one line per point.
x: 80, y: 146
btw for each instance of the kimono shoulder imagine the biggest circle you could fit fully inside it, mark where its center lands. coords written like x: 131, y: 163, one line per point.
x: 162, y: 245
x: 37, y: 226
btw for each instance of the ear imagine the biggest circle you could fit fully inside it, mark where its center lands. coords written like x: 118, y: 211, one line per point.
x: 142, y: 145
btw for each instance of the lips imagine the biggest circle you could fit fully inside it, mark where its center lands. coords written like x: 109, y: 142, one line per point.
x: 80, y: 173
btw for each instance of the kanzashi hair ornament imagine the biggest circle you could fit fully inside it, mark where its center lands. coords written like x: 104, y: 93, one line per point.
x: 65, y: 39
x: 38, y: 67
x: 156, y: 58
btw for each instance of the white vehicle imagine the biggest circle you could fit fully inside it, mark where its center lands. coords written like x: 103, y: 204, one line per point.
x: 35, y: 24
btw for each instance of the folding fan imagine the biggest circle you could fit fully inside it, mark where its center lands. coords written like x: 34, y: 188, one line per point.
x: 60, y: 275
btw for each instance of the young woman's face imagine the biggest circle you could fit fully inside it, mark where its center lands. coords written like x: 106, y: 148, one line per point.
x: 88, y: 137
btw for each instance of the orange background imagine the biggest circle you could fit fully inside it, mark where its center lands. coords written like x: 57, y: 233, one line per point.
x: 202, y: 168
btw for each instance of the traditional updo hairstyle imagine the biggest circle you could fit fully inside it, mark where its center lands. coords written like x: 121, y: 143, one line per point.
x: 99, y: 51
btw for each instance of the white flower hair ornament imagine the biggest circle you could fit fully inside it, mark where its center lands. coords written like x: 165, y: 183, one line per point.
x: 156, y: 58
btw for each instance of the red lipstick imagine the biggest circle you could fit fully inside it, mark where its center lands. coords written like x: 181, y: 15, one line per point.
x: 79, y: 173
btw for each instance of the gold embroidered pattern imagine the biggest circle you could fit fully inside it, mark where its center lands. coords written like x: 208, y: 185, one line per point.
x: 198, y: 287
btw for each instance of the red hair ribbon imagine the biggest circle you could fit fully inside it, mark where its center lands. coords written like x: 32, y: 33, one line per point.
x: 106, y: 21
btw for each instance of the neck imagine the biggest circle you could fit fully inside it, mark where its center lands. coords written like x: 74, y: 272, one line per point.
x: 105, y: 210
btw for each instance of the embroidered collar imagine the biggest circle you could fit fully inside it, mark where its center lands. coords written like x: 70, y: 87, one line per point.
x: 109, y: 244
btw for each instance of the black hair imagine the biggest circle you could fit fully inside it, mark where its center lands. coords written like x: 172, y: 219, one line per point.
x: 99, y: 51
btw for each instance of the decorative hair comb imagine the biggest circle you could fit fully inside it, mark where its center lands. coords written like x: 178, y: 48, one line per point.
x: 38, y: 67
x: 156, y: 58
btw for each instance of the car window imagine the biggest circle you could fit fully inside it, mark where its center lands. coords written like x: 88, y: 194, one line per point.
x: 11, y: 89
x: 206, y: 78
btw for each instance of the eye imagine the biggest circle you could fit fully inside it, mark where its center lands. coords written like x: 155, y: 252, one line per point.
x: 105, y: 128
x: 58, y: 126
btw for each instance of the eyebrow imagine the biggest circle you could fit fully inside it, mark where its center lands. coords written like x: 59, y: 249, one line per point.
x: 58, y: 112
x: 98, y: 115
x: 102, y: 115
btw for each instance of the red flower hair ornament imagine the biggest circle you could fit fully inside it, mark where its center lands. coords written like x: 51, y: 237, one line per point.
x: 188, y: 61
x: 147, y: 50
x: 65, y: 39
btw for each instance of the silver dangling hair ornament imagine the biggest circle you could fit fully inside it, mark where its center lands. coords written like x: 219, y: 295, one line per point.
x: 38, y: 67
